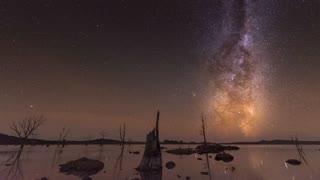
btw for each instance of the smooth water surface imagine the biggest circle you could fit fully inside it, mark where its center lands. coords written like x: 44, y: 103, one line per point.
x: 251, y: 162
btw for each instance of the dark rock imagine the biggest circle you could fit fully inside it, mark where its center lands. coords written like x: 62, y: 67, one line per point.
x: 230, y: 148
x: 199, y: 159
x: 135, y: 152
x: 44, y: 178
x: 188, y: 178
x: 204, y: 173
x: 170, y: 165
x: 178, y: 176
x: 214, y: 148
x: 225, y: 157
x: 293, y: 162
x: 82, y: 167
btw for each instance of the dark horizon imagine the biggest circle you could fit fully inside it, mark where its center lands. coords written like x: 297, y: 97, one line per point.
x: 14, y: 140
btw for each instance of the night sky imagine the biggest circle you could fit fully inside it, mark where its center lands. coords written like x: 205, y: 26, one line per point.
x: 252, y: 67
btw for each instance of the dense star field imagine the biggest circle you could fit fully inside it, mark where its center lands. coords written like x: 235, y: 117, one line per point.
x: 250, y: 66
x: 234, y: 70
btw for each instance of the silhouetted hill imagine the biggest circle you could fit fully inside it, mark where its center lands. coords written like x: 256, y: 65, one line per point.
x: 12, y: 140
x: 5, y: 139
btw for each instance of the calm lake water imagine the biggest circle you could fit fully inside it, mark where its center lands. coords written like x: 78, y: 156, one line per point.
x: 252, y: 162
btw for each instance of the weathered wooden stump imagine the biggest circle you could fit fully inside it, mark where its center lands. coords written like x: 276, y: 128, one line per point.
x: 151, y: 163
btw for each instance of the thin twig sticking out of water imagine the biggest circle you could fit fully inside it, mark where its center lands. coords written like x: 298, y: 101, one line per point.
x: 13, y: 161
x: 300, y: 150
x: 122, y: 132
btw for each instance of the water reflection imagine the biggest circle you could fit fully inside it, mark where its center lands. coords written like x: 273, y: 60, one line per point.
x: 56, y: 156
x: 13, y: 165
x: 101, y: 152
x: 153, y: 175
x: 118, y: 164
x: 208, y: 166
x: 250, y: 163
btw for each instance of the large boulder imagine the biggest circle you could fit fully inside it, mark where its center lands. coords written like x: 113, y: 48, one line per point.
x: 225, y: 157
x: 82, y: 167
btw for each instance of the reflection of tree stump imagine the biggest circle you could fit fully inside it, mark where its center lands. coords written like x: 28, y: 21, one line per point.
x: 152, y: 158
x: 152, y: 175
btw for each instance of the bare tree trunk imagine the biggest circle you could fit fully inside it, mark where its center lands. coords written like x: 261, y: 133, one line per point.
x: 152, y: 157
x: 203, y: 129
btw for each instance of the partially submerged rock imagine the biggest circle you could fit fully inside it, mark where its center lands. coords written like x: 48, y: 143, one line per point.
x: 162, y: 147
x: 231, y: 148
x: 134, y: 152
x: 225, y: 157
x: 204, y: 173
x: 82, y: 167
x: 293, y: 162
x: 214, y: 148
x: 170, y: 165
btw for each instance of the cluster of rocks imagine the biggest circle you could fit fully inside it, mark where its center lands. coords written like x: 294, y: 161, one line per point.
x: 214, y: 148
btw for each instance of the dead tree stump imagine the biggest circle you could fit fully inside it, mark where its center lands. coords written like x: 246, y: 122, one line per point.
x: 152, y: 158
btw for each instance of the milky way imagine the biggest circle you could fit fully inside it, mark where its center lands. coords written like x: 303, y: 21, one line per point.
x: 234, y: 71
